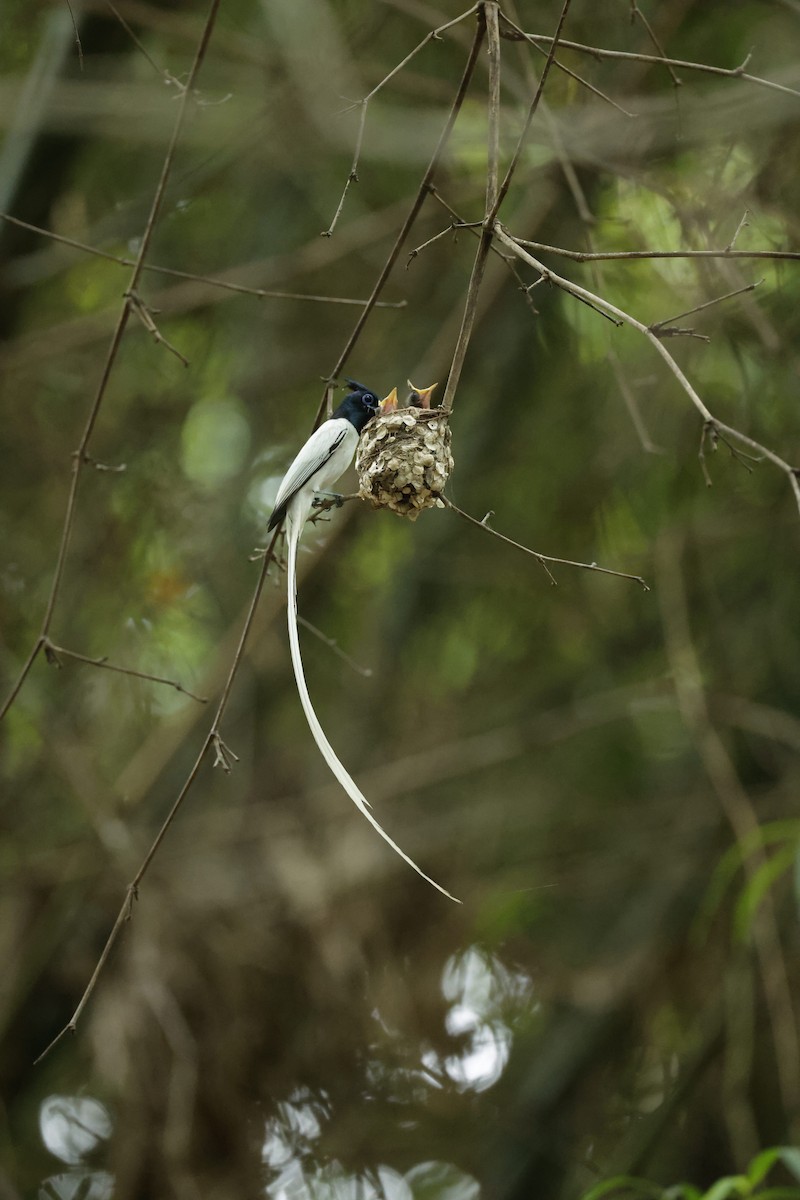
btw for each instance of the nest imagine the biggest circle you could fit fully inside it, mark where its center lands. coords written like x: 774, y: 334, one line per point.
x: 404, y: 460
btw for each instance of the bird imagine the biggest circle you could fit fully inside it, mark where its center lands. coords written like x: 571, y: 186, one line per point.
x: 319, y: 463
x: 416, y: 398
x: 420, y: 397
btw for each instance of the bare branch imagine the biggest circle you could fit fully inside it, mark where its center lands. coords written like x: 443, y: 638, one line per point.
x: 353, y: 176
x: 145, y: 314
x: 635, y: 255
x: 475, y: 228
x: 544, y: 559
x: 223, y: 755
x: 165, y: 75
x: 713, y: 423
x: 611, y: 309
x: 433, y: 35
x: 658, y: 327
x: 651, y: 33
x: 331, y: 643
x: 600, y: 52
x: 631, y: 403
x: 52, y: 653
x: 260, y: 293
x: 742, y: 224
x: 565, y: 70
x: 451, y: 228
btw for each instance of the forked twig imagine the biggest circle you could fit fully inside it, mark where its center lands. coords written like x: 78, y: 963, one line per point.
x: 145, y: 314
x: 475, y: 227
x: 641, y: 255
x: 631, y: 403
x: 332, y: 643
x: 432, y: 35
x: 660, y: 327
x: 52, y: 652
x: 713, y: 423
x: 167, y: 76
x: 651, y: 33
x: 565, y: 70
x: 600, y: 52
x: 543, y: 559
x: 191, y: 276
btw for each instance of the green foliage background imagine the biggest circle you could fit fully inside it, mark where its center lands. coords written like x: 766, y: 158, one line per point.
x: 597, y: 1008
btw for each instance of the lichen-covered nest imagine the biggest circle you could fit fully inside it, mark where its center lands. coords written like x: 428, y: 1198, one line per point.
x: 404, y: 460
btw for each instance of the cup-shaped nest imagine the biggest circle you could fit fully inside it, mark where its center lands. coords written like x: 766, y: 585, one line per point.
x: 404, y: 460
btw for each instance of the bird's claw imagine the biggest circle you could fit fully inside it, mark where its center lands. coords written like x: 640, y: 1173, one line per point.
x: 326, y: 500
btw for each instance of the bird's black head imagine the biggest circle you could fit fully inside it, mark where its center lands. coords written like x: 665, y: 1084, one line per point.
x: 358, y: 406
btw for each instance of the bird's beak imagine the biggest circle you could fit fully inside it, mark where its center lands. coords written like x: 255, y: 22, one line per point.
x: 389, y: 403
x: 421, y: 397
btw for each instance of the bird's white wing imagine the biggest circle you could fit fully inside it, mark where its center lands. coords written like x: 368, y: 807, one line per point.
x: 312, y: 457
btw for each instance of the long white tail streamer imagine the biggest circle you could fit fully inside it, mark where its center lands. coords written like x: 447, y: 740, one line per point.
x: 294, y: 528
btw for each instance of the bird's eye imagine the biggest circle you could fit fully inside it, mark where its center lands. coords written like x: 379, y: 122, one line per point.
x: 371, y: 400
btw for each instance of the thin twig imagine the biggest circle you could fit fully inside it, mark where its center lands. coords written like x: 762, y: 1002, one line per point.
x: 475, y: 227
x: 631, y: 403
x: 353, y: 176
x: 742, y: 224
x: 332, y: 644
x: 260, y: 293
x: 78, y: 458
x: 145, y: 314
x: 51, y: 649
x: 637, y: 255
x: 670, y: 331
x: 223, y: 755
x: 565, y: 70
x: 544, y: 559
x: 651, y: 33
x: 451, y: 228
x: 600, y: 52
x: 658, y: 327
x: 432, y: 35
x: 165, y: 75
x: 590, y: 87
x: 78, y: 45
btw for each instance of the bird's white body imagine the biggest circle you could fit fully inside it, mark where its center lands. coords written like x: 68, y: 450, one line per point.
x: 326, y: 455
x: 322, y: 460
